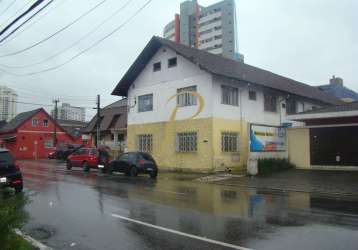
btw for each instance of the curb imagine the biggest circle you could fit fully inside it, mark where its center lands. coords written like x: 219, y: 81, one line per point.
x: 284, y: 190
x: 32, y: 241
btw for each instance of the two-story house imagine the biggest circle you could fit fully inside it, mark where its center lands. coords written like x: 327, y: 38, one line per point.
x: 30, y: 135
x: 193, y: 110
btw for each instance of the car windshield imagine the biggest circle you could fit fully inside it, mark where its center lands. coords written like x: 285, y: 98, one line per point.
x: 6, y: 159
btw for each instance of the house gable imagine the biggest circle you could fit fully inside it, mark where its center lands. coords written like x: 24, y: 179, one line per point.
x: 40, y: 126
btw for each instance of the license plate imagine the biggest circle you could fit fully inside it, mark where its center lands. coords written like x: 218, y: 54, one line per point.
x: 100, y: 166
x: 149, y: 169
x: 3, y: 180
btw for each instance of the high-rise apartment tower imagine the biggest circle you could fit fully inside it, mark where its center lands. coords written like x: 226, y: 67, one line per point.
x: 212, y: 28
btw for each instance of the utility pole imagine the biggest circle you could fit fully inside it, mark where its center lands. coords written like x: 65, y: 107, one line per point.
x: 55, y: 125
x: 98, y: 120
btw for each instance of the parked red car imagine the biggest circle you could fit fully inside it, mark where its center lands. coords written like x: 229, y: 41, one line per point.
x: 51, y: 155
x: 88, y: 158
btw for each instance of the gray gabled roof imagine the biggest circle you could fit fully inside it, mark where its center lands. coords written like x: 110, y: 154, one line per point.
x: 221, y: 66
x: 117, y: 110
x: 353, y: 106
x: 19, y: 120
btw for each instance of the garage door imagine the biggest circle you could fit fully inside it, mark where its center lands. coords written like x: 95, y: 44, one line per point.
x: 337, y: 146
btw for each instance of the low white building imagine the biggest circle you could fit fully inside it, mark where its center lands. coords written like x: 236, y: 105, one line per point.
x: 8, y: 103
x: 195, y: 110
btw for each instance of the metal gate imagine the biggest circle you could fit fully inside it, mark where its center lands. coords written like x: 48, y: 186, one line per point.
x: 334, y: 146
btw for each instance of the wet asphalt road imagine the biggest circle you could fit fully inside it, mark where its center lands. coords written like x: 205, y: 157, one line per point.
x: 74, y: 210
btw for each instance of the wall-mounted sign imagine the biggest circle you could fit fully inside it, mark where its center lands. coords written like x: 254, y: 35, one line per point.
x: 267, y: 138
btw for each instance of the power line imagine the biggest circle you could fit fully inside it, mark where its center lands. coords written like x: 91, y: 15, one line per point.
x: 21, y: 16
x: 46, y: 105
x: 84, y: 50
x: 32, y: 103
x: 29, y: 93
x: 75, y: 43
x: 56, y: 33
x: 33, y: 6
x: 19, y: 10
x: 31, y: 24
x: 4, y: 11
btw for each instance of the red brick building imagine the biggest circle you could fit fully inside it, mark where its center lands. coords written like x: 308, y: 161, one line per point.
x: 30, y: 135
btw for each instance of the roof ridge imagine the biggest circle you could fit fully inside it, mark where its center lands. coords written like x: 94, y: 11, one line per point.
x: 222, y: 66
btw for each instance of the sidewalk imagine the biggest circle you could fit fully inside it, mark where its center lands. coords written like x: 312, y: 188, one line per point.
x: 310, y: 181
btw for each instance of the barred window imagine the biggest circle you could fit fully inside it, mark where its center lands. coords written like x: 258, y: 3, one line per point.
x: 186, y: 99
x: 291, y: 106
x: 270, y: 103
x: 145, y: 143
x: 187, y: 142
x: 229, y: 142
x: 230, y: 96
x: 252, y: 95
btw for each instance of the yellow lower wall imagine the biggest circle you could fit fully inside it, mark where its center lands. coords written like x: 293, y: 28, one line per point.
x: 208, y: 157
x: 233, y: 160
x: 299, y: 147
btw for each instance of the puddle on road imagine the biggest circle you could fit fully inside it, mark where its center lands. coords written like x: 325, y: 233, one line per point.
x: 42, y: 232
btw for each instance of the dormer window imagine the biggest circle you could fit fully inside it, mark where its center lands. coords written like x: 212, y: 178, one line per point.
x: 172, y: 62
x: 34, y: 122
x: 157, y: 66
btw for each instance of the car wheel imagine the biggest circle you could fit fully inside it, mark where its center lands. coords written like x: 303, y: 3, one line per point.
x: 69, y: 165
x: 85, y: 167
x: 19, y: 188
x: 133, y: 172
x: 153, y: 175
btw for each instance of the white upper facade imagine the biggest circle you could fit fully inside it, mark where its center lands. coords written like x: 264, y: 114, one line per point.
x: 159, y: 85
x: 8, y: 104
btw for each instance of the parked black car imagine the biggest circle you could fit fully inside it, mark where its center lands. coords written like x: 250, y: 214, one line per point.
x: 10, y: 174
x: 134, y: 163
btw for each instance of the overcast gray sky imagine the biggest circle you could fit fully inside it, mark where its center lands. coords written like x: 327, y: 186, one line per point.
x: 307, y: 40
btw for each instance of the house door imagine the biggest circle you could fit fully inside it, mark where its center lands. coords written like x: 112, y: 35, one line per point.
x: 35, y: 153
x: 334, y: 146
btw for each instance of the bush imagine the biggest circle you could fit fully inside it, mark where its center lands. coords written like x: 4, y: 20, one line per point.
x: 272, y: 165
x: 12, y: 215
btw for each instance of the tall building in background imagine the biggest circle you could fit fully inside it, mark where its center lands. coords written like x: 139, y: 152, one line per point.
x: 8, y: 104
x: 212, y: 28
x: 68, y: 112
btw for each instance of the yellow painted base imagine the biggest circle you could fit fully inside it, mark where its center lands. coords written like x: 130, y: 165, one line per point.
x: 299, y: 147
x: 208, y: 157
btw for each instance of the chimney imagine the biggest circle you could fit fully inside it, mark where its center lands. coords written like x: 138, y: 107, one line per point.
x: 336, y: 81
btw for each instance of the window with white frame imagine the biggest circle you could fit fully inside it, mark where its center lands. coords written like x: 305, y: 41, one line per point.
x: 45, y: 123
x: 145, y: 143
x: 34, y: 122
x: 229, y: 142
x: 230, y: 95
x: 49, y: 144
x: 185, y: 98
x: 145, y: 103
x: 187, y: 142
